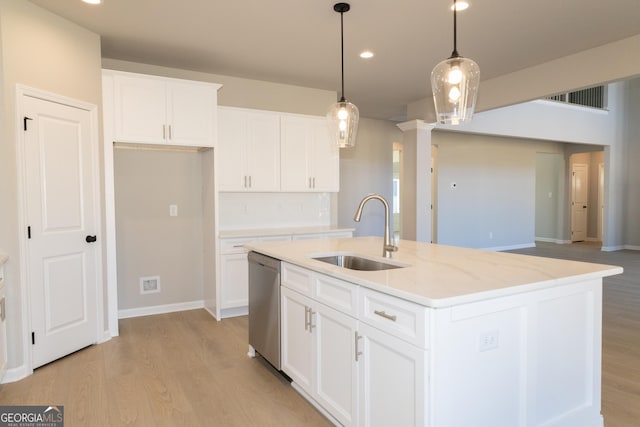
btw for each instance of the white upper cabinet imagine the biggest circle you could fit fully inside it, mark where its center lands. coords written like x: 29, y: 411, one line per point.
x: 310, y: 160
x: 158, y: 110
x: 268, y: 151
x: 248, y: 157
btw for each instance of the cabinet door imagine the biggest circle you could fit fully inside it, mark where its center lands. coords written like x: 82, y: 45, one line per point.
x: 393, y: 380
x: 140, y: 110
x: 336, y: 373
x: 263, y: 152
x: 295, y: 153
x: 231, y: 151
x: 3, y: 328
x: 190, y: 114
x: 296, y: 338
x: 325, y: 160
x: 235, y: 280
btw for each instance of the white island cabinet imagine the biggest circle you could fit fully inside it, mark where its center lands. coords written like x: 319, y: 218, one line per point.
x: 454, y: 337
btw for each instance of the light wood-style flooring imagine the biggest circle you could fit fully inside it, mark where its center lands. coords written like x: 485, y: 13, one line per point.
x: 186, y: 369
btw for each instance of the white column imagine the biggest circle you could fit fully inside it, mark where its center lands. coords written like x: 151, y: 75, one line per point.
x: 415, y: 181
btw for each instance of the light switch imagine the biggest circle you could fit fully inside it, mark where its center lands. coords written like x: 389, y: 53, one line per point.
x: 173, y: 210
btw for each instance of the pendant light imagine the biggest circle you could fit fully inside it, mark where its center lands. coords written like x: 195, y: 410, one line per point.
x: 343, y: 116
x: 455, y: 83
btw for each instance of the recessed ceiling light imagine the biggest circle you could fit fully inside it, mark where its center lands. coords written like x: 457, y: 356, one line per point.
x: 366, y: 54
x: 461, y: 5
x: 92, y: 1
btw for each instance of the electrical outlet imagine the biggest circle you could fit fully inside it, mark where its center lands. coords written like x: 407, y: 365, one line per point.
x: 173, y: 210
x: 488, y: 340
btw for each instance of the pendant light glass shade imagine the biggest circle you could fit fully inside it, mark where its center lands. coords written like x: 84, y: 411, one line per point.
x: 455, y: 83
x: 343, y: 116
x: 343, y: 119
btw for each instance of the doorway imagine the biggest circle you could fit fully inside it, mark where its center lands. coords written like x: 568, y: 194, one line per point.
x: 397, y: 200
x: 58, y: 162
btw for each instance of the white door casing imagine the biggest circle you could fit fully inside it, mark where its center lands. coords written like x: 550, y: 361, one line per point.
x: 58, y: 161
x: 579, y: 199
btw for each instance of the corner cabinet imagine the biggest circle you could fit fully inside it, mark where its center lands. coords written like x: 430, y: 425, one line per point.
x: 310, y: 161
x: 159, y: 110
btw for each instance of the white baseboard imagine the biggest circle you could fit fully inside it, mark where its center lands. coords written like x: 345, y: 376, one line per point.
x: 15, y: 374
x: 632, y: 247
x: 160, y: 309
x: 234, y: 312
x: 510, y: 247
x: 612, y: 248
x: 211, y: 312
x: 550, y: 240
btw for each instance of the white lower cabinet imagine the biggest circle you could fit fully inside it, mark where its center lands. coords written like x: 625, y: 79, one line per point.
x: 318, y: 350
x: 234, y: 272
x: 359, y: 374
x: 3, y: 324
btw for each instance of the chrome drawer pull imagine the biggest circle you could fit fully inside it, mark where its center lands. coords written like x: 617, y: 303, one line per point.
x: 391, y: 317
x: 356, y: 338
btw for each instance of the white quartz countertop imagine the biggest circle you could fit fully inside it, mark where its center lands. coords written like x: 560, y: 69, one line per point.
x: 438, y: 275
x: 280, y: 231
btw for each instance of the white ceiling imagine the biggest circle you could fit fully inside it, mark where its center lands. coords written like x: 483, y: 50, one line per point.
x: 298, y: 41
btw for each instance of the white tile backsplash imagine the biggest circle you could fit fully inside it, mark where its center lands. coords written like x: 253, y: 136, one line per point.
x: 265, y: 210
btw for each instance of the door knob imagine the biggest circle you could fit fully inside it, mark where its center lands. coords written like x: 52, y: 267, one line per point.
x: 90, y: 239
x: 584, y: 206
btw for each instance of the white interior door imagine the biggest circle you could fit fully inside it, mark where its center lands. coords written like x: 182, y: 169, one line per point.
x: 61, y: 216
x: 579, y: 199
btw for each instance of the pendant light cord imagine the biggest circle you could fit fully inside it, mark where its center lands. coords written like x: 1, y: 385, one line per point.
x: 455, y: 53
x: 342, y: 99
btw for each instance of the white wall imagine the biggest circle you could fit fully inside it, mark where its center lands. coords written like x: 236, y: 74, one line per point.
x: 550, y: 196
x: 364, y: 169
x: 40, y: 50
x: 149, y: 241
x: 632, y: 136
x: 493, y: 202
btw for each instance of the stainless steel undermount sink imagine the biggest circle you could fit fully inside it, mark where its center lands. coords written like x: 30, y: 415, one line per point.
x: 355, y: 262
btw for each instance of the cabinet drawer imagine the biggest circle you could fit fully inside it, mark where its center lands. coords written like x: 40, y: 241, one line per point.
x: 235, y: 245
x: 297, y: 278
x: 400, y: 318
x: 337, y: 294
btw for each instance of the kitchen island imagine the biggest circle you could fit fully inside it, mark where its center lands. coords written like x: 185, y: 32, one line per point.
x: 451, y: 337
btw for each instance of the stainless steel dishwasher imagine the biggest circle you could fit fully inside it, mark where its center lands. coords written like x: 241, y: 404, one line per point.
x: 264, y: 307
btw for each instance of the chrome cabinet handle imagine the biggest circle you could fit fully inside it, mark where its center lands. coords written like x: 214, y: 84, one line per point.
x: 169, y: 131
x: 306, y: 318
x: 250, y: 181
x: 311, y: 325
x: 314, y: 182
x: 356, y: 338
x: 3, y: 311
x: 391, y: 317
x: 164, y: 131
x: 245, y: 181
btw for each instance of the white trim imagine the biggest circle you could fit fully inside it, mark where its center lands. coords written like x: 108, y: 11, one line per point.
x: 613, y: 248
x: 109, y: 202
x: 550, y: 240
x: 16, y: 374
x: 20, y: 92
x: 510, y: 247
x: 632, y: 247
x: 233, y: 312
x: 160, y: 309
